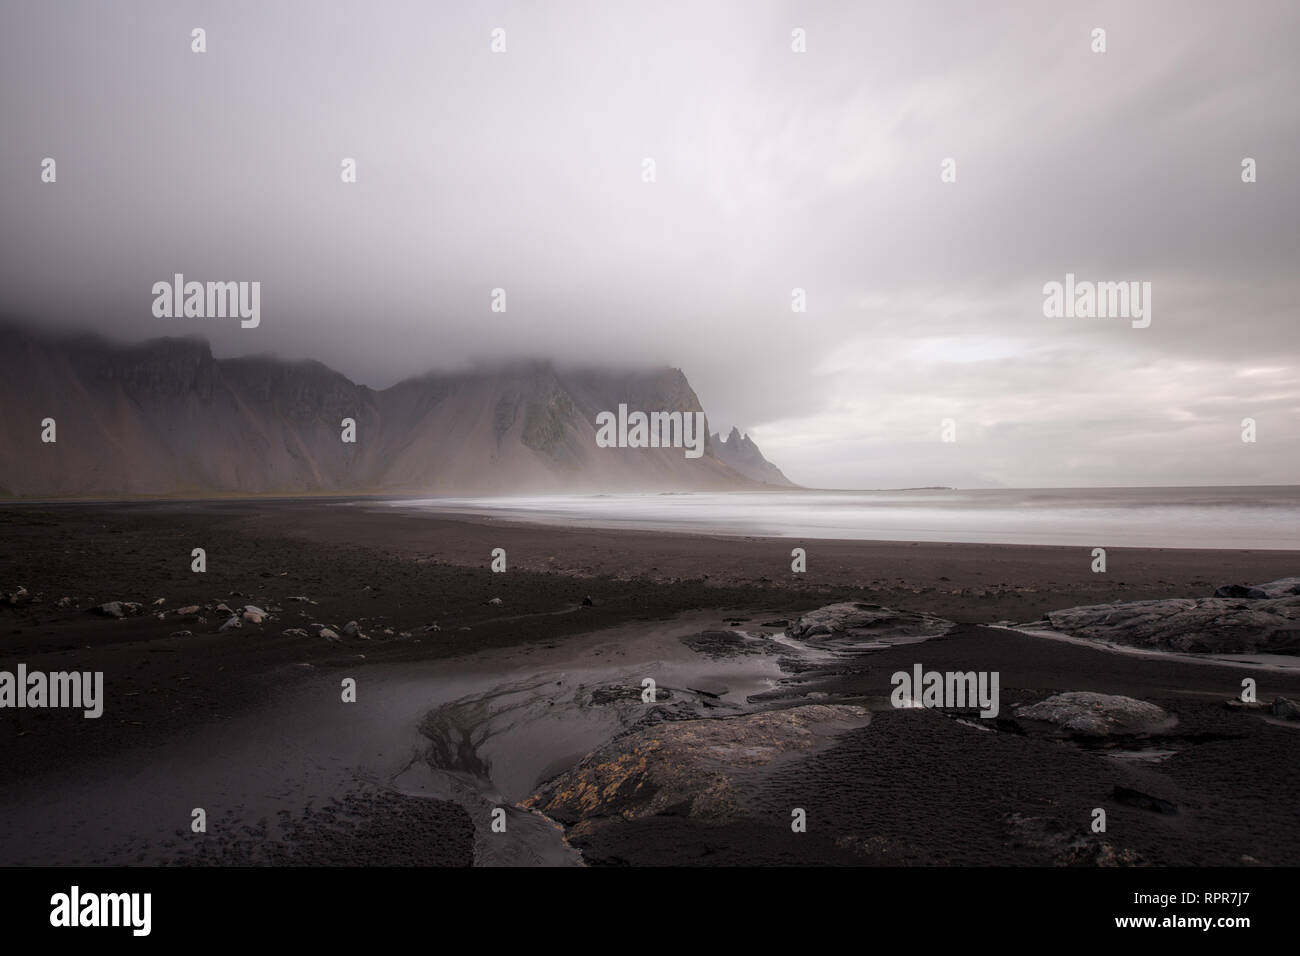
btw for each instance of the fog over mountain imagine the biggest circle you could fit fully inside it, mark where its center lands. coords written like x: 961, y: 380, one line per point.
x: 166, y: 418
x: 776, y: 169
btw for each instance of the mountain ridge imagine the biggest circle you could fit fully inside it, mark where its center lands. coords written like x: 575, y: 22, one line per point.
x: 164, y: 417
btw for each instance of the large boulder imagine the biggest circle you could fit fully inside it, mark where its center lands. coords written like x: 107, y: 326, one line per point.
x: 1266, y: 622
x: 702, y: 769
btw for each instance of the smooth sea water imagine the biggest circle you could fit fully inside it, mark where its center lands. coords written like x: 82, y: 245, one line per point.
x: 1237, y: 518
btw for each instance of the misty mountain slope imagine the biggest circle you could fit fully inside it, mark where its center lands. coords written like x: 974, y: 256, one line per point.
x: 533, y: 428
x: 166, y: 418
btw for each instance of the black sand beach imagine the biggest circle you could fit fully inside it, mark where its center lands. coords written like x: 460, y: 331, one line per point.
x: 247, y: 723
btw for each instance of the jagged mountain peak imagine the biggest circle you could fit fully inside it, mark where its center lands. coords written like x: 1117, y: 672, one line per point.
x: 741, y: 453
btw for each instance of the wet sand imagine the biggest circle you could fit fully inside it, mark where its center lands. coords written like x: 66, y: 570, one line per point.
x: 483, y: 711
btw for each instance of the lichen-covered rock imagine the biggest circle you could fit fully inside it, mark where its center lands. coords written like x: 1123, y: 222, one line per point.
x: 687, y: 767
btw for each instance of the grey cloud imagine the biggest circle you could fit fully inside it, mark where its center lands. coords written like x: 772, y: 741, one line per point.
x: 775, y: 170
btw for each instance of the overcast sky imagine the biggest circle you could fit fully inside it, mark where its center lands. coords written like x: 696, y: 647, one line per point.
x: 774, y: 170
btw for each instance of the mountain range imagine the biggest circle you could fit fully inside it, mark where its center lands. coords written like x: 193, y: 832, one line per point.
x: 164, y: 417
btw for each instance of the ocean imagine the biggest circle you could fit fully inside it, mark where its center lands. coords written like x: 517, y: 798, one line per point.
x: 1228, y: 517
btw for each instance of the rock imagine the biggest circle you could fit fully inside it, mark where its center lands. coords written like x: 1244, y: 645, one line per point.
x: 1232, y: 591
x: 253, y: 615
x: 432, y: 628
x: 64, y: 602
x: 496, y: 602
x: 295, y: 632
x: 587, y: 601
x: 1281, y: 588
x: 328, y: 634
x: 720, y: 645
x: 1265, y: 621
x: 870, y: 622
x: 190, y: 610
x: 159, y: 602
x: 116, y: 609
x: 1098, y: 715
x: 1286, y: 708
x: 18, y: 597
x: 301, y: 598
x: 700, y: 769
x: 1143, y: 801
x: 231, y: 622
x: 223, y: 609
x: 181, y: 634
x: 353, y: 629
x: 1236, y: 703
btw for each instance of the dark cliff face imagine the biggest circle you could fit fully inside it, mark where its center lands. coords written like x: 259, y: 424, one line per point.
x: 300, y: 391
x: 169, y: 366
x: 164, y: 417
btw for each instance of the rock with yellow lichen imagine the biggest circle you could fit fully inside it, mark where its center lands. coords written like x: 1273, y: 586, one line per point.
x: 687, y: 768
